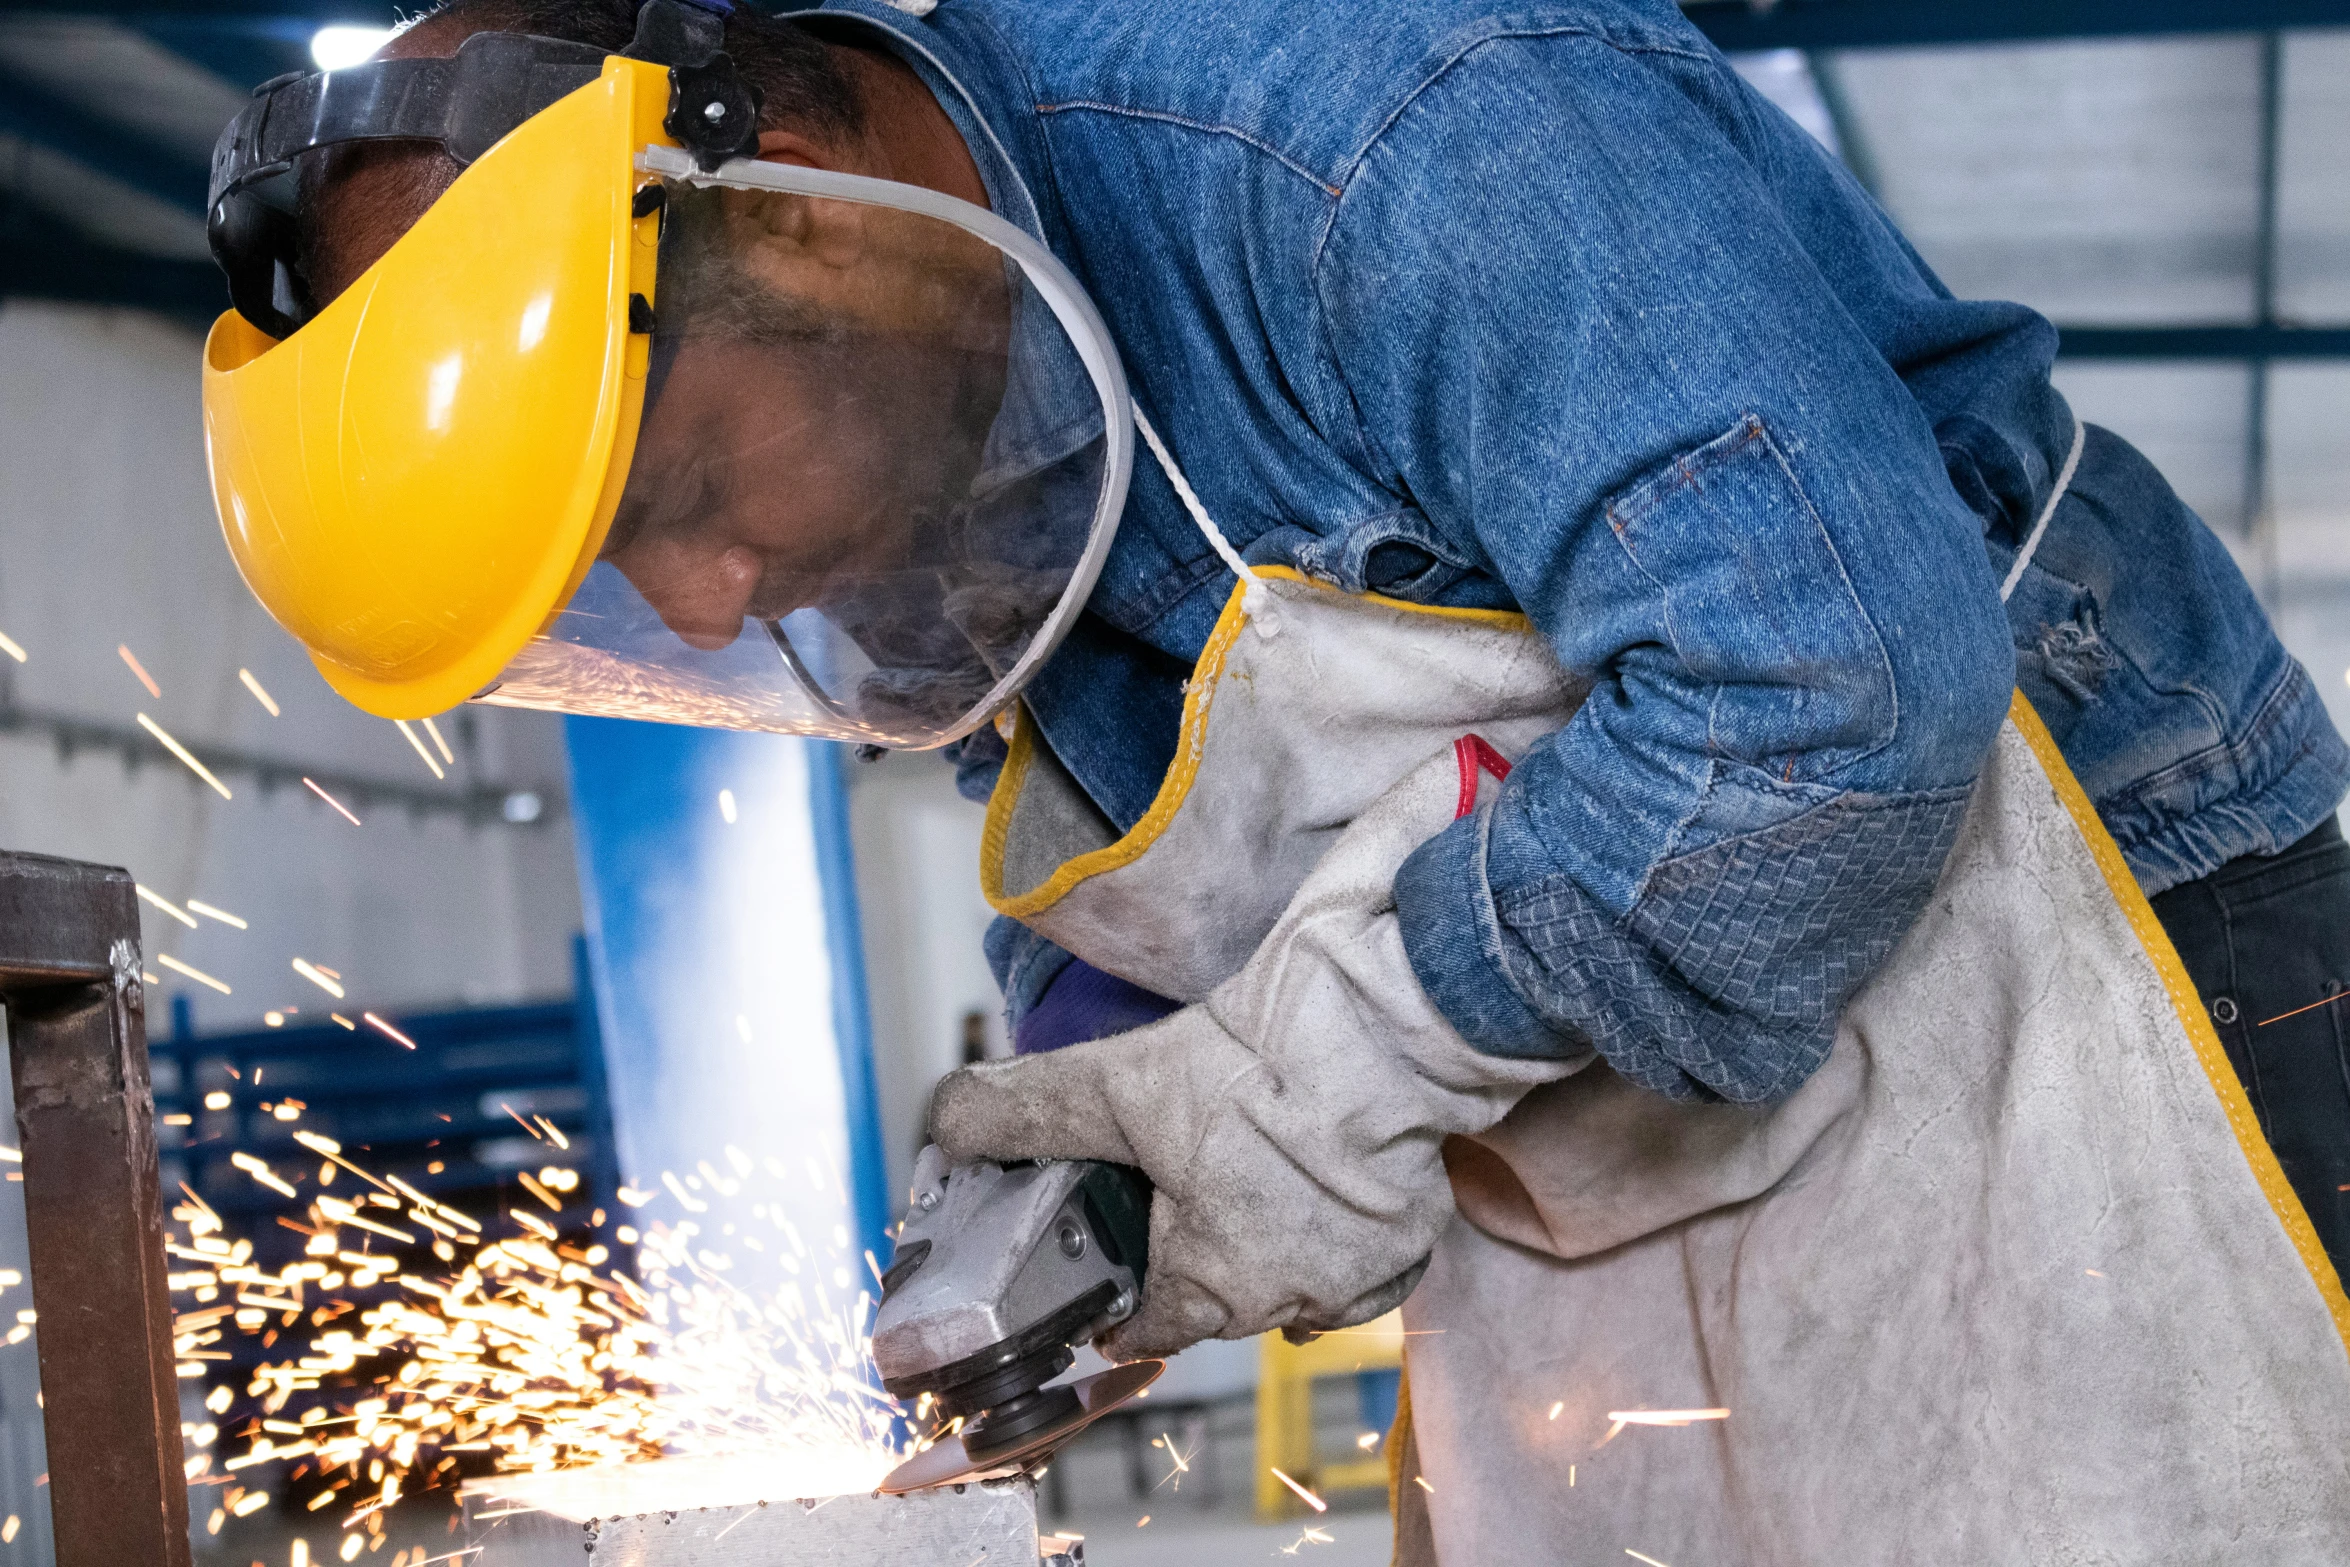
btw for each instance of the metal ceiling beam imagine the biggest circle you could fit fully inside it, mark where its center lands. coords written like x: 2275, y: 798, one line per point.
x: 1738, y: 26
x: 268, y: 15
x: 243, y: 51
x: 2204, y: 342
x: 43, y: 118
x: 53, y: 267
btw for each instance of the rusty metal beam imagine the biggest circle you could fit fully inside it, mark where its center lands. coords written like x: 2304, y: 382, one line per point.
x: 77, y: 1037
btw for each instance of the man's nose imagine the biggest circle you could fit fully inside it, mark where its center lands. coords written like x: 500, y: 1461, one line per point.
x: 702, y: 595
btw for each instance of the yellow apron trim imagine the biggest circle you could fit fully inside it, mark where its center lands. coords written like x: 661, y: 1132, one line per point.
x: 1399, y: 1437
x: 1499, y: 619
x: 2189, y: 1005
x: 1198, y: 693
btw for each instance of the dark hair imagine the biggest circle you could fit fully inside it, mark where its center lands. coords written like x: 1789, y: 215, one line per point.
x: 358, y: 199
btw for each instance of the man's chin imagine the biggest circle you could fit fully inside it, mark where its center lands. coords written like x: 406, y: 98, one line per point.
x: 707, y: 639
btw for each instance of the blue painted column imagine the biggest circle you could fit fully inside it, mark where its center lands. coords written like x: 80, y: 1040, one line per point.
x: 729, y: 970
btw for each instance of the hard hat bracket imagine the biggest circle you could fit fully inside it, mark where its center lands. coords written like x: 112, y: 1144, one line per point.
x: 713, y: 113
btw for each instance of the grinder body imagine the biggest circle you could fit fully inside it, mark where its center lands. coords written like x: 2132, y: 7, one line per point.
x: 999, y: 1271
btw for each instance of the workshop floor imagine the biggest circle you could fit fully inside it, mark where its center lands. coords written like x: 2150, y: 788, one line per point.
x: 1104, y: 1485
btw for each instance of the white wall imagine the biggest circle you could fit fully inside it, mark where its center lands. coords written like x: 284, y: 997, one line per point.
x: 107, y: 537
x: 917, y: 845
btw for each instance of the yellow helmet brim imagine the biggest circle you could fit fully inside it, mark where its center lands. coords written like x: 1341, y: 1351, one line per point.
x: 418, y: 478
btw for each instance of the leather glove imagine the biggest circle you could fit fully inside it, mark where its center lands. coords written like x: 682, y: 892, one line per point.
x: 1291, y: 1121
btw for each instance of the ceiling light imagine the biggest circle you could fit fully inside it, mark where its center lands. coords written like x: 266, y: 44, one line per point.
x: 342, y: 45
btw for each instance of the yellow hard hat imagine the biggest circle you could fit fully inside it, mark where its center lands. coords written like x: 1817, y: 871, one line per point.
x: 850, y: 469
x: 414, y: 480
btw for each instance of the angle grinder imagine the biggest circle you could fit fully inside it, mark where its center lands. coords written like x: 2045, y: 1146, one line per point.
x: 1000, y: 1271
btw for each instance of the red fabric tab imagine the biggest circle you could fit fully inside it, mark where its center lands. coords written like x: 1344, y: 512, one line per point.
x: 1473, y: 754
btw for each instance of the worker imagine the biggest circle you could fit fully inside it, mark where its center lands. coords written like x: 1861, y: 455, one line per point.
x: 1515, y: 801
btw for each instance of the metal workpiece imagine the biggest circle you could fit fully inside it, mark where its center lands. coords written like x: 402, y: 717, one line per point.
x: 991, y: 1524
x: 77, y: 1045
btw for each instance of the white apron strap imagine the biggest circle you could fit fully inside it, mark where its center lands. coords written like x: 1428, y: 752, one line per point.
x: 1256, y: 602
x: 2023, y: 557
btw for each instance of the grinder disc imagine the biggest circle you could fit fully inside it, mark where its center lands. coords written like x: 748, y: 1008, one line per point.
x: 948, y: 1462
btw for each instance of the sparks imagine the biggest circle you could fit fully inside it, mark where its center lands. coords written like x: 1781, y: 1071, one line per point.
x: 385, y: 1028
x: 319, y: 977
x: 260, y: 1171
x: 185, y: 755
x: 331, y: 800
x: 1181, y: 1462
x: 532, y: 1186
x: 1655, y: 1417
x: 1636, y: 1556
x: 327, y: 1148
x: 196, y: 974
x: 209, y: 912
x: 2297, y: 1011
x: 8, y: 646
x: 259, y: 695
x: 414, y: 740
x: 149, y: 897
x: 527, y: 1353
x: 140, y: 670
x: 447, y: 755
x: 1304, y: 1495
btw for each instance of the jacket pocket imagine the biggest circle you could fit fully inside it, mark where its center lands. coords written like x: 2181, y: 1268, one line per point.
x: 1756, y: 608
x: 1398, y: 555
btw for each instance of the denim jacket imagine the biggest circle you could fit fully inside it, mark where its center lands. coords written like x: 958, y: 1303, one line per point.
x: 1541, y: 307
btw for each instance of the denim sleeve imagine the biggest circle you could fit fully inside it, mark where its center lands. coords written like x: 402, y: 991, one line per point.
x: 1579, y: 329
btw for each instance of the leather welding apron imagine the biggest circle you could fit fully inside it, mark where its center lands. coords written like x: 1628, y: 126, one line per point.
x: 2012, y: 1278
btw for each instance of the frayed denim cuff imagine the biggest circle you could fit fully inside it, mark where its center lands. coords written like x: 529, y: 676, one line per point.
x: 1025, y: 966
x: 1454, y: 941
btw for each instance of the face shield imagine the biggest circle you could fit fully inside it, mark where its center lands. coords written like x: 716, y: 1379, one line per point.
x: 875, y: 472
x: 613, y: 431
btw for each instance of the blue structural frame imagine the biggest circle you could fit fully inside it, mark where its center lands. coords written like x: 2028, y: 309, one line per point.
x: 1740, y: 25
x: 707, y: 938
x: 852, y: 1001
x: 397, y: 1110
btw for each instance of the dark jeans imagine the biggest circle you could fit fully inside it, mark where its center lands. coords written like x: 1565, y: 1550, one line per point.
x: 2262, y: 936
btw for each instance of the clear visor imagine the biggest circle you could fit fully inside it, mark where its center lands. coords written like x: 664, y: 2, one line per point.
x: 883, y: 448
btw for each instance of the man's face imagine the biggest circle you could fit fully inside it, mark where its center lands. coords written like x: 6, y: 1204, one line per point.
x: 826, y: 377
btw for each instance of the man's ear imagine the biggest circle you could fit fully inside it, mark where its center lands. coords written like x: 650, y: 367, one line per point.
x: 793, y: 148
